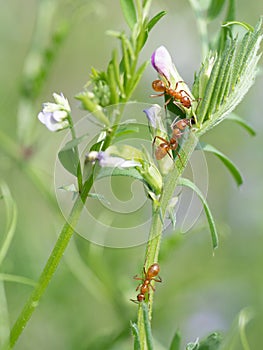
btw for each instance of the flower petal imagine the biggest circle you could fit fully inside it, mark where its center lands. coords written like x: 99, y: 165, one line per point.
x: 105, y: 160
x: 154, y: 116
x: 49, y: 107
x: 42, y: 117
x: 59, y: 116
x: 162, y: 63
x: 62, y: 101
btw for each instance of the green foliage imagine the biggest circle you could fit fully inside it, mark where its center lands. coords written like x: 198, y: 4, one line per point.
x: 212, y: 342
x: 225, y: 78
x: 210, y: 219
x: 226, y: 74
x: 4, y: 323
x: 129, y: 12
x: 176, y: 341
x: 234, y: 117
x: 117, y: 83
x: 135, y: 333
x: 69, y: 157
x: 226, y: 161
x: 11, y: 220
x: 215, y: 8
x: 147, y: 327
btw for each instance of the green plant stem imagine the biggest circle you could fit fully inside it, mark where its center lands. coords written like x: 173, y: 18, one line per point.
x: 156, y: 230
x: 201, y: 22
x: 74, y: 136
x: 51, y: 264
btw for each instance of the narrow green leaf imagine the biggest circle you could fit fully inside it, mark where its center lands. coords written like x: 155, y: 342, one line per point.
x: 245, y: 316
x: 125, y: 63
x: 4, y: 319
x: 231, y: 339
x: 210, y: 219
x: 135, y: 80
x: 11, y: 220
x: 147, y: 326
x: 153, y: 21
x: 114, y: 95
x: 205, y: 100
x: 135, y: 333
x: 69, y: 188
x: 17, y: 279
x: 176, y: 341
x: 245, y: 25
x: 126, y: 128
x: 226, y: 73
x: 227, y: 162
x: 129, y: 12
x: 234, y: 117
x: 100, y: 197
x: 215, y: 8
x: 116, y: 69
x: 130, y: 172
x: 68, y: 156
x: 221, y: 78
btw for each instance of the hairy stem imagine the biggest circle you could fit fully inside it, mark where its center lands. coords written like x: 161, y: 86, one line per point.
x: 51, y: 264
x: 156, y: 230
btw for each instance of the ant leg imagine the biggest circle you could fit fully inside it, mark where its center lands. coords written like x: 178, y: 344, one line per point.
x: 157, y: 279
x: 167, y: 102
x: 135, y: 301
x: 139, y: 286
x: 178, y: 155
x: 138, y: 278
x: 179, y: 105
x: 160, y: 138
x: 157, y: 95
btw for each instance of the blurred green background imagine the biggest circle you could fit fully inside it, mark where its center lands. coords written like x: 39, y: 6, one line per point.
x: 87, y: 305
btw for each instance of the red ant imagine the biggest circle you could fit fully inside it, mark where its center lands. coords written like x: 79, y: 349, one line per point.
x: 181, y: 96
x: 166, y: 146
x: 149, y: 276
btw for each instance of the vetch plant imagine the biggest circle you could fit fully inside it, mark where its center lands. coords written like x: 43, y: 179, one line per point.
x: 227, y: 72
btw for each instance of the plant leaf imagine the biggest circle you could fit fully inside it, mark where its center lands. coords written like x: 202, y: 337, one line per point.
x: 68, y: 156
x: 129, y: 12
x: 215, y: 8
x: 238, y: 330
x: 17, y: 279
x: 153, y: 21
x: 234, y: 117
x: 135, y: 333
x: 128, y: 127
x: 210, y: 219
x: 231, y: 75
x: 228, y: 163
x: 147, y: 326
x: 11, y: 220
x: 4, y: 321
x: 247, y: 26
x: 131, y: 172
x: 176, y: 341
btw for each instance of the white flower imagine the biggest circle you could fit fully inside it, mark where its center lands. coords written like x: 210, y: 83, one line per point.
x: 106, y: 160
x: 55, y: 115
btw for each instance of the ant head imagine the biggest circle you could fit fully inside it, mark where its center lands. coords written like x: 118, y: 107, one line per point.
x: 158, y: 85
x: 140, y: 297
